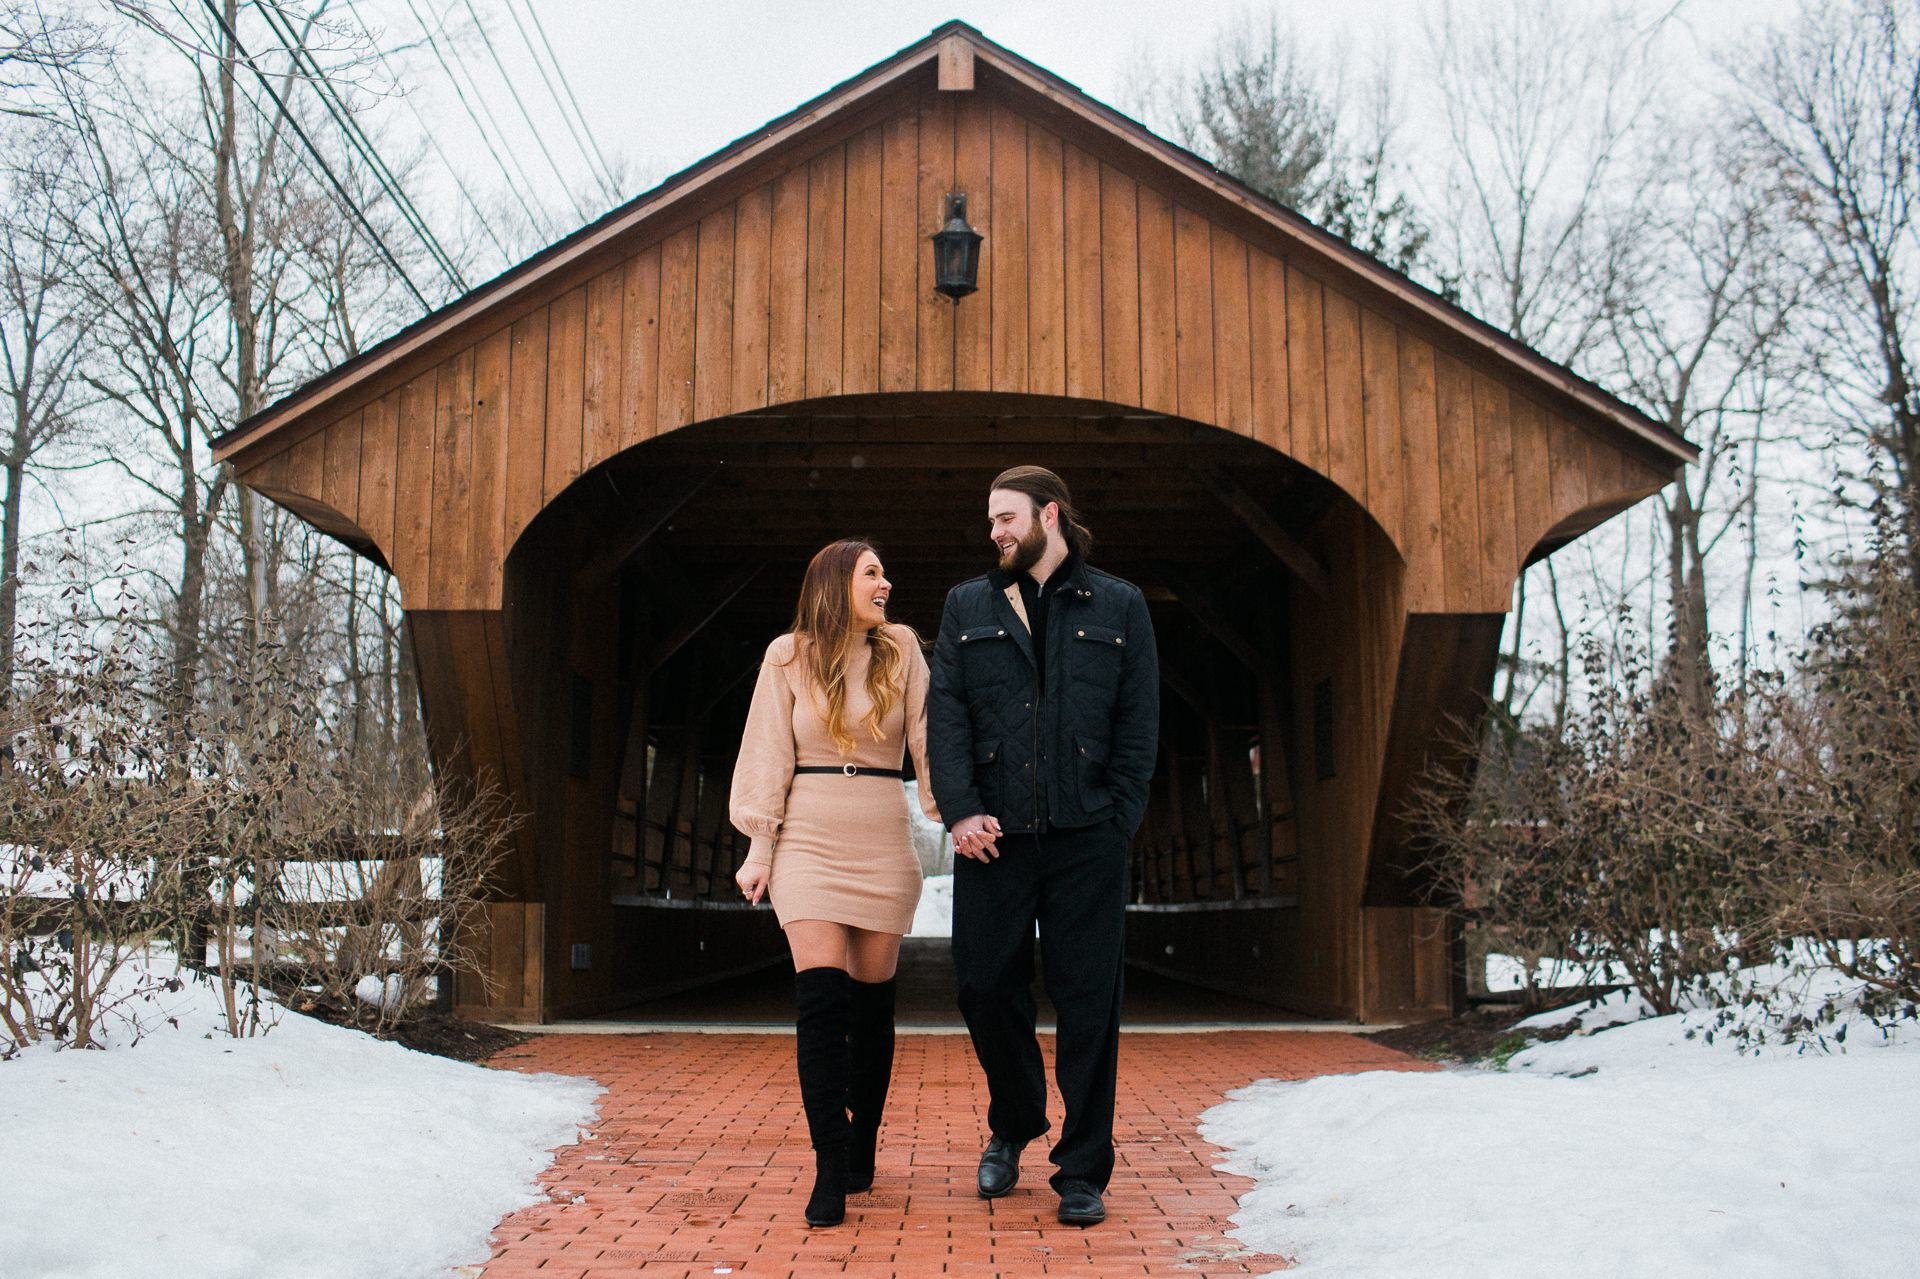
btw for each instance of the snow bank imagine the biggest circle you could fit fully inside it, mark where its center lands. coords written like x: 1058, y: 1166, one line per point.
x: 1633, y: 1151
x: 934, y: 916
x: 310, y: 1151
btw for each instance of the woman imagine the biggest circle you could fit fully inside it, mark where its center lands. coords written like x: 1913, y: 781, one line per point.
x: 817, y: 788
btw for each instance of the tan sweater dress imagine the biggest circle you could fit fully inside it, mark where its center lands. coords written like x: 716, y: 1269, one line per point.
x: 840, y: 848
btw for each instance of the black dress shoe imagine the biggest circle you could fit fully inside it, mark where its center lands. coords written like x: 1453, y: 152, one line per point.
x: 1000, y: 1167
x: 1080, y: 1204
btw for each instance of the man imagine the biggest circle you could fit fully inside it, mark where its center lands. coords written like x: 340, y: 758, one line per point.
x: 1043, y: 724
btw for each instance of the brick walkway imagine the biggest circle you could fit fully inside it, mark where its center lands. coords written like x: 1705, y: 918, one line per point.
x: 699, y: 1165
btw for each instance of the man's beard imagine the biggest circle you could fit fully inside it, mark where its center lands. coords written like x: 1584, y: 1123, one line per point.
x: 1026, y: 552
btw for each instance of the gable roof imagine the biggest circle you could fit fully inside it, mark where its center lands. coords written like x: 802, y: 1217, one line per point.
x: 841, y: 101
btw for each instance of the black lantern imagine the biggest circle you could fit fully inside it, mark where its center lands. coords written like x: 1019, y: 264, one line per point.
x: 956, y: 251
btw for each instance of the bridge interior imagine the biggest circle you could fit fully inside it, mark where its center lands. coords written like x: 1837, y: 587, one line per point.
x: 688, y: 552
x: 714, y: 527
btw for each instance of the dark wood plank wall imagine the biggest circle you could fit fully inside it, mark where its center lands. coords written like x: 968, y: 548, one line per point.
x: 814, y: 282
x: 1352, y: 643
x: 474, y: 737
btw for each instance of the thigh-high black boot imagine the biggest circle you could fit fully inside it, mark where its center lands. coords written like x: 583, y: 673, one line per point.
x: 823, y: 1000
x: 870, y: 1047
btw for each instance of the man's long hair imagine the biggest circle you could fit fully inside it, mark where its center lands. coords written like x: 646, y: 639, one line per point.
x: 824, y: 632
x: 1043, y: 486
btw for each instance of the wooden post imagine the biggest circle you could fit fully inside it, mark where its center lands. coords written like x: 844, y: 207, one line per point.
x: 1225, y: 839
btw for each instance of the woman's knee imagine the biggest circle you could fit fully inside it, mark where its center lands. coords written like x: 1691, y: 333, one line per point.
x: 872, y: 957
x: 816, y: 943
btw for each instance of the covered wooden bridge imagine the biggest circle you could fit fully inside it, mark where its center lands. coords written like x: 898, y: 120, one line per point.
x: 598, y: 477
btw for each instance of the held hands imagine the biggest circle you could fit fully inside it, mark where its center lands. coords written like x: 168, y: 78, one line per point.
x: 752, y: 879
x: 975, y: 837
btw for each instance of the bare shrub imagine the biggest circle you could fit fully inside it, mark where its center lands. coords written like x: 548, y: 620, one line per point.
x: 323, y: 876
x: 91, y: 814
x: 235, y: 834
x: 1596, y: 847
x: 1718, y: 853
x: 376, y: 922
x: 1848, y: 771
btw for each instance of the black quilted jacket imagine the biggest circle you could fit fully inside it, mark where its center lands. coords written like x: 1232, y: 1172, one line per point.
x: 1086, y: 752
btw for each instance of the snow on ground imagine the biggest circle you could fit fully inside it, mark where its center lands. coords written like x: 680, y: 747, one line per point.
x: 1630, y: 1150
x: 1504, y: 972
x: 934, y: 916
x: 309, y: 1151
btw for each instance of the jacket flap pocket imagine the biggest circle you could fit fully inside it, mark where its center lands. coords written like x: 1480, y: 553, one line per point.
x: 1093, y: 748
x: 985, y: 752
x: 1099, y: 635
x: 989, y: 631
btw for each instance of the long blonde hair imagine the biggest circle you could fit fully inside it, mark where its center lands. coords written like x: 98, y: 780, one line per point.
x: 824, y: 620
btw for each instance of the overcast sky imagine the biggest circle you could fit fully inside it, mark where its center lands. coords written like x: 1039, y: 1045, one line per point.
x: 663, y: 84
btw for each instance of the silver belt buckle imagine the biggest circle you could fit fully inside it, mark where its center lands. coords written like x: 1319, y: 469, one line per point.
x: 850, y: 769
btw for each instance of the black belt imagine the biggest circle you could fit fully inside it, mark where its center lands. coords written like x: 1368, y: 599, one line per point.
x: 852, y: 770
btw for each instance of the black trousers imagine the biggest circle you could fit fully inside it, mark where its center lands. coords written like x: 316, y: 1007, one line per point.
x: 1074, y: 884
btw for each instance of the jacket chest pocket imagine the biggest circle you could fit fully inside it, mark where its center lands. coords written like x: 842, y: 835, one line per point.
x: 988, y: 654
x: 1095, y: 653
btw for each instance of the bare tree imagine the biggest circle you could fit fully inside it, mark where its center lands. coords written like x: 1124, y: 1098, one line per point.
x: 44, y: 330
x: 212, y: 239
x: 1262, y: 110
x: 144, y: 246
x: 1834, y: 102
x: 1539, y: 207
x: 38, y: 39
x: 1697, y: 336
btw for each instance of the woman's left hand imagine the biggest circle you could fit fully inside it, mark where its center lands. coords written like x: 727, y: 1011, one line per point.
x: 752, y: 879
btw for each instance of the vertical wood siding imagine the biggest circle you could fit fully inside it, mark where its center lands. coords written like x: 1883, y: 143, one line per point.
x: 1093, y: 284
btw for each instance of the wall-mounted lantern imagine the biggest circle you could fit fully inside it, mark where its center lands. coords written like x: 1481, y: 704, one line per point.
x: 956, y: 251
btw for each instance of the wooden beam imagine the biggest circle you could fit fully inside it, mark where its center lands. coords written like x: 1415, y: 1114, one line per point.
x: 1285, y: 546
x: 621, y: 545
x: 695, y: 619
x: 956, y: 64
x: 1184, y: 691
x: 967, y: 455
x: 725, y: 685
x: 1197, y: 602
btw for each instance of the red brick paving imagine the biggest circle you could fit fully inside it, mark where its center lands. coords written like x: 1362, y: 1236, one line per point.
x: 699, y: 1164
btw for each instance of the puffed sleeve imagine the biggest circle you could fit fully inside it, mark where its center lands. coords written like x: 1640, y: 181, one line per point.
x: 917, y: 681
x: 764, y: 770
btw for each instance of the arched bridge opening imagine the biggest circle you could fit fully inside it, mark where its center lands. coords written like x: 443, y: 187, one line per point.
x: 637, y: 607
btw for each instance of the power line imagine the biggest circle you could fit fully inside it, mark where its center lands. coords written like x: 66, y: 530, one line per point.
x: 525, y: 183
x: 357, y: 140
x: 314, y: 151
x: 582, y: 136
x: 612, y: 186
x: 356, y: 136
x: 433, y: 140
x: 539, y: 139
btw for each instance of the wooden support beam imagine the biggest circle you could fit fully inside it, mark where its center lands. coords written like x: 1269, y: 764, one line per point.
x: 1178, y: 685
x: 1198, y: 602
x: 956, y: 64
x: 621, y: 545
x: 1286, y: 548
x: 695, y: 619
x: 725, y: 685
x: 1226, y: 838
